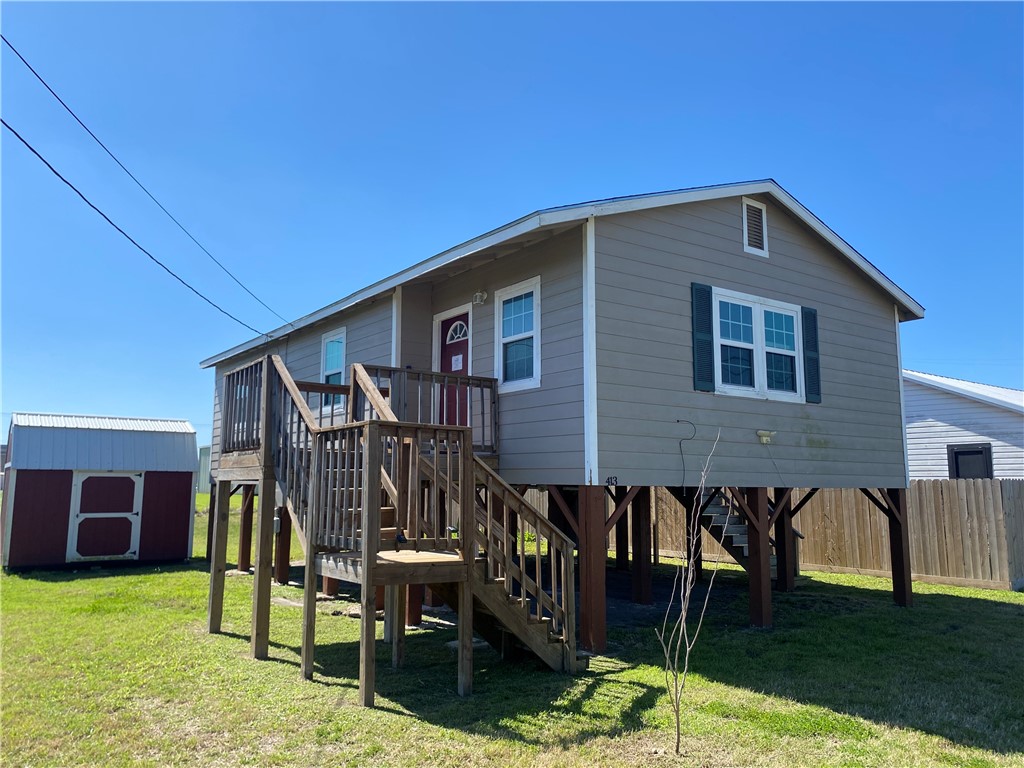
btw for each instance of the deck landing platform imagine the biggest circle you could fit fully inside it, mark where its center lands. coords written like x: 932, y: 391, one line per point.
x: 402, y: 567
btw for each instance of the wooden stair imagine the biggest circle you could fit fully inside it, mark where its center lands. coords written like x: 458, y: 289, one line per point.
x: 506, y: 624
x: 727, y: 526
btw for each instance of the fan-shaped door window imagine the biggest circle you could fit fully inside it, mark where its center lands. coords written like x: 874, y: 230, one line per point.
x: 459, y: 331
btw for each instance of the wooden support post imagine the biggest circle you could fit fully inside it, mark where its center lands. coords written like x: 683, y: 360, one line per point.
x: 262, y: 576
x: 218, y: 557
x: 367, y: 647
x: 259, y: 645
x: 899, y: 547
x: 694, y: 531
x: 282, y: 546
x: 398, y: 626
x: 413, y: 603
x: 593, y: 549
x: 245, y: 531
x: 654, y: 526
x: 371, y: 542
x: 465, y: 684
x: 389, y: 610
x: 621, y: 533
x: 759, y: 557
x: 308, y: 615
x: 785, y: 542
x: 211, y: 514
x: 642, y: 547
x: 430, y: 598
x: 330, y: 586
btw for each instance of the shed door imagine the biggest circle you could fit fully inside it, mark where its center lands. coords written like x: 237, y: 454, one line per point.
x: 106, y: 512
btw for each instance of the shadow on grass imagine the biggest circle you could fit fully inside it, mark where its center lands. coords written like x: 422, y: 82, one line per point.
x: 520, y: 701
x: 80, y: 571
x: 951, y: 665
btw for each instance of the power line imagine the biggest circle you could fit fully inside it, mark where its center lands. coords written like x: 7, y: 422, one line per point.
x: 129, y: 237
x: 132, y: 177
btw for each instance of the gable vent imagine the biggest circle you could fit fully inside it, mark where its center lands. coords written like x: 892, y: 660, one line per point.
x: 755, y: 227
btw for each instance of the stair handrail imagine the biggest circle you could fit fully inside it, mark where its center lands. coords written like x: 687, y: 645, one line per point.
x: 560, y: 605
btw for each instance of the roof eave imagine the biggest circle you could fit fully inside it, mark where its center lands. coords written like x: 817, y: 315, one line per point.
x: 963, y: 392
x: 549, y: 217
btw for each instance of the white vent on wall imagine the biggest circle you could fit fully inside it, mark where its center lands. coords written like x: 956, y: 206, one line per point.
x: 755, y: 227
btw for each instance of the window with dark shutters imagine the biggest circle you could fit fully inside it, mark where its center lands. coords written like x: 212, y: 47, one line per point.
x: 750, y: 346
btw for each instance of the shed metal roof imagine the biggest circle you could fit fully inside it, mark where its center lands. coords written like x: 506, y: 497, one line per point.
x: 1003, y: 397
x: 101, y: 443
x: 559, y: 216
x: 70, y: 421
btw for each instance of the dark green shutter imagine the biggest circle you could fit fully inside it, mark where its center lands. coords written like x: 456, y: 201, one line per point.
x: 812, y: 371
x: 703, y: 338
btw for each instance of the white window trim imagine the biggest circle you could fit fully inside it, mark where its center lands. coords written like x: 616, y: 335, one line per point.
x: 744, y: 202
x: 533, y: 284
x: 435, y: 344
x: 760, y: 389
x: 338, y: 333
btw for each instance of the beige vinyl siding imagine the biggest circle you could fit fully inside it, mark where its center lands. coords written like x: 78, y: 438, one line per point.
x: 540, y: 430
x: 654, y: 429
x: 367, y: 340
x: 417, y: 322
x: 937, y: 419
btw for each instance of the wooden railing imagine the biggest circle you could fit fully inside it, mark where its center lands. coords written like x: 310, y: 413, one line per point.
x: 445, y: 399
x: 241, y: 408
x: 337, y: 477
x: 526, y: 553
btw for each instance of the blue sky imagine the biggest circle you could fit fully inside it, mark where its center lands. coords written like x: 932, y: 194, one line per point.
x: 315, y: 148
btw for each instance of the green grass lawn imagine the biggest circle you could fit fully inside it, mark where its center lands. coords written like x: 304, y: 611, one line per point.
x: 114, y: 667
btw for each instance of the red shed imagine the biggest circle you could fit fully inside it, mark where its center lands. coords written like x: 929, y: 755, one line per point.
x: 97, y: 488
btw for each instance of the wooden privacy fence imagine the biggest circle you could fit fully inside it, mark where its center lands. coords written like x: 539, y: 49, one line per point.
x: 962, y: 532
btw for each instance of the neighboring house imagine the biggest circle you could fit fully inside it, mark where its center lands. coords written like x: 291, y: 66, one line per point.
x: 962, y: 429
x: 97, y: 488
x: 619, y: 343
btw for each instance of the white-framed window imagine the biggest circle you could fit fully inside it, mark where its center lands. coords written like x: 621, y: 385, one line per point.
x: 332, y: 362
x: 755, y: 227
x: 517, y: 336
x: 758, y: 347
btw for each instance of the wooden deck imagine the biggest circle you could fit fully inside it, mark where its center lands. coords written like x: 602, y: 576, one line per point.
x: 402, y: 567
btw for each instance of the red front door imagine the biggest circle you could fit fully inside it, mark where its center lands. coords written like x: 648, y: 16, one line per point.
x: 455, y: 359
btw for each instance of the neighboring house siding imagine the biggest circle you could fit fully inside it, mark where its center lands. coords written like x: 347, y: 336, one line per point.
x: 367, y: 340
x: 540, y: 430
x: 937, y: 419
x: 645, y: 264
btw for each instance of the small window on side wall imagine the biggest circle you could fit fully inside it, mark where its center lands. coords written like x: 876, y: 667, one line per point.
x: 332, y: 363
x: 970, y: 462
x: 755, y: 227
x: 517, y: 336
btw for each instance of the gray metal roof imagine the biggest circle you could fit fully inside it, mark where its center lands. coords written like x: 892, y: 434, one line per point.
x: 1003, y: 397
x: 559, y: 216
x: 69, y: 421
x: 101, y: 443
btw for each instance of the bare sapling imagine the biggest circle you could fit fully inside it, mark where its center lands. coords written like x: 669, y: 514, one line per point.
x: 679, y: 637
